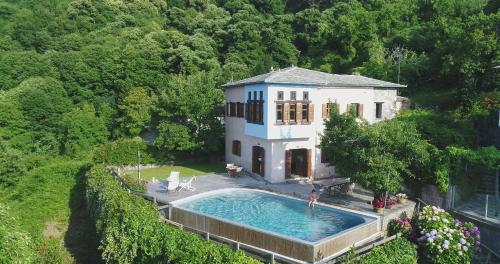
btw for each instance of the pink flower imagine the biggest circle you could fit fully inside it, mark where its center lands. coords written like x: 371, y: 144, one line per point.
x: 478, y: 243
x: 467, y: 234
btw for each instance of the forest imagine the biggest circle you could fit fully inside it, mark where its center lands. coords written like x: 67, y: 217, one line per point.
x: 81, y: 80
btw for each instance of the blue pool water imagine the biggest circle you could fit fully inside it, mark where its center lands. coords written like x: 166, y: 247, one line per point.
x: 275, y: 213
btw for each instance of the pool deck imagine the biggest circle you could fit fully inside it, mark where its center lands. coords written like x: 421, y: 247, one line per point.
x: 359, y: 200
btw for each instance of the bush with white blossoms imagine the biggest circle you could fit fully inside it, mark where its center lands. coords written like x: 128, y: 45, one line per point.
x: 444, y: 239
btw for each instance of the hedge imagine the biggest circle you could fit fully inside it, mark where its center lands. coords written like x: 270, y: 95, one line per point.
x: 123, y: 152
x: 130, y: 231
x: 399, y: 250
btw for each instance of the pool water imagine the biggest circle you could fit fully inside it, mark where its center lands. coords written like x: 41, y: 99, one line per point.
x: 275, y: 213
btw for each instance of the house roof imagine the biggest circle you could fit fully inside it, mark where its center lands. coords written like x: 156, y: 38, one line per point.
x: 297, y: 75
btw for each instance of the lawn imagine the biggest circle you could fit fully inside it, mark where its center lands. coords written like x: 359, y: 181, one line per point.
x: 186, y: 170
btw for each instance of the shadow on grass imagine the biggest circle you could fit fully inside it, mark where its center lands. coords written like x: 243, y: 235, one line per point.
x: 81, y: 238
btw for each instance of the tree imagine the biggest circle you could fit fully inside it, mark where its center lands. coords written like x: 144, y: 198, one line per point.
x: 82, y: 130
x: 381, y: 156
x: 189, y: 113
x: 135, y: 111
x: 11, y: 165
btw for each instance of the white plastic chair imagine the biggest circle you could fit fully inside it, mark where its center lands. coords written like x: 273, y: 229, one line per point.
x: 188, y: 185
x: 173, y: 181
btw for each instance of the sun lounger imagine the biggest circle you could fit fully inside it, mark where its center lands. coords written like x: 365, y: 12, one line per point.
x: 173, y: 181
x: 187, y: 185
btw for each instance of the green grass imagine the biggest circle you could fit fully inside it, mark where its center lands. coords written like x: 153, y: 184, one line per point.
x: 186, y: 170
x: 51, y: 199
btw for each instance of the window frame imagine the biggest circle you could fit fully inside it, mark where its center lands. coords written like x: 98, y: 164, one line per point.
x: 378, y: 110
x: 293, y: 95
x: 278, y: 120
x: 294, y: 119
x: 236, y: 148
x: 305, y: 117
x: 305, y: 95
x: 280, y: 96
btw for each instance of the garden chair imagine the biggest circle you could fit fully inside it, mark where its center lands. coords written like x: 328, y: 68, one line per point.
x: 238, y: 172
x: 173, y: 181
x: 188, y: 185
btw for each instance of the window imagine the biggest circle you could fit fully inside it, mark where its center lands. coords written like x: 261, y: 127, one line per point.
x: 239, y: 109
x: 305, y: 96
x: 305, y: 113
x: 356, y: 108
x: 293, y: 95
x: 378, y: 110
x: 237, y: 147
x: 293, y: 116
x: 232, y: 109
x: 280, y: 95
x: 279, y: 113
x: 255, y: 108
x: 249, y: 95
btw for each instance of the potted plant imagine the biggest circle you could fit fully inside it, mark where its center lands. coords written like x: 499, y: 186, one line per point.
x: 378, y: 206
x: 401, y: 197
x: 390, y: 202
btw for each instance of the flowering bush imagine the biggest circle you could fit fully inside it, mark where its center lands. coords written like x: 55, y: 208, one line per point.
x: 445, y: 240
x: 401, y: 196
x: 390, y: 201
x: 378, y: 203
x: 404, y: 226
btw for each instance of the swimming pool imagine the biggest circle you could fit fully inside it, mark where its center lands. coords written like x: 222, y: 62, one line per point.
x: 248, y: 215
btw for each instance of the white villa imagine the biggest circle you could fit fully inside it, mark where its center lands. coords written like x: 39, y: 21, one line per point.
x: 274, y: 120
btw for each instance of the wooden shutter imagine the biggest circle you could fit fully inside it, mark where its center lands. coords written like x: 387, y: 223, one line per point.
x: 247, y: 110
x: 288, y: 164
x: 324, y: 114
x: 360, y: 111
x: 262, y: 162
x: 310, y: 112
x: 286, y: 112
x: 298, y: 113
x: 309, y: 163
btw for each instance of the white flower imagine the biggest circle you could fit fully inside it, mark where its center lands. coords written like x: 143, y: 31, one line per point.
x: 460, y: 253
x: 465, y: 248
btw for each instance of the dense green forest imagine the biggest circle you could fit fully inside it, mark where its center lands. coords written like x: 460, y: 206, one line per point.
x: 76, y: 76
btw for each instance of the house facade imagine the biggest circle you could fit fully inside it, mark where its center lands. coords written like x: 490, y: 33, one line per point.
x: 274, y: 121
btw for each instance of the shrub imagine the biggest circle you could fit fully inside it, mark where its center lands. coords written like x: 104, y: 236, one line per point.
x: 16, y: 246
x: 397, y: 251
x: 123, y: 152
x: 378, y: 203
x: 445, y: 240
x: 130, y: 231
x: 134, y: 183
x: 404, y: 226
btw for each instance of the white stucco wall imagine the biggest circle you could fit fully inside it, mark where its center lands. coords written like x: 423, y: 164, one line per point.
x: 275, y: 139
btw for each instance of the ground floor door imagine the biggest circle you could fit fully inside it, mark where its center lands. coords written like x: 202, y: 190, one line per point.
x: 258, y: 160
x: 298, y: 163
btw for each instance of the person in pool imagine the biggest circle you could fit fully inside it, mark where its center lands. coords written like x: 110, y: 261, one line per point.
x: 313, y: 198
